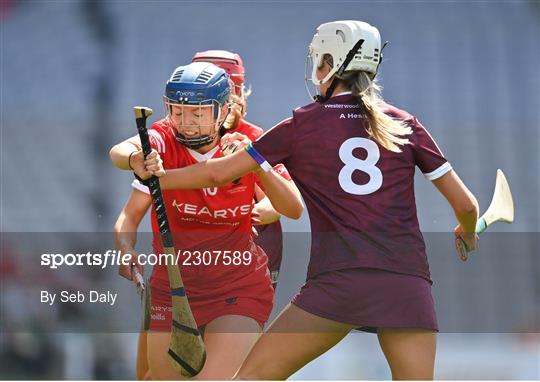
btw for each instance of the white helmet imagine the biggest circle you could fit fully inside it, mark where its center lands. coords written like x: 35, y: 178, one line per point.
x: 337, y: 38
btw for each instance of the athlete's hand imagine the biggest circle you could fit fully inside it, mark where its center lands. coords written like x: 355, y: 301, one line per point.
x: 263, y: 213
x: 145, y: 168
x: 130, y: 270
x: 154, y: 164
x: 233, y: 142
x: 470, y: 239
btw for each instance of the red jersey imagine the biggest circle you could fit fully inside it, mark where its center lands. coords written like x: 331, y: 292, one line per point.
x: 215, y: 219
x: 360, y: 196
x: 244, y: 127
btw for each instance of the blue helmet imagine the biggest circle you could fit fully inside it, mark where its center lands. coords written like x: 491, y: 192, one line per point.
x: 199, y: 83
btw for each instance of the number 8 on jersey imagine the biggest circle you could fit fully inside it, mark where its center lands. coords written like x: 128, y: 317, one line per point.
x: 365, y: 165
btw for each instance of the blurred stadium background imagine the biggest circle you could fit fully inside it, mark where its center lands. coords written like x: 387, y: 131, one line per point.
x: 72, y: 70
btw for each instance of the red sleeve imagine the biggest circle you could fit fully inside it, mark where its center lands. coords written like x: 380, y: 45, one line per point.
x: 250, y: 130
x: 157, y: 141
x: 164, y: 143
x: 282, y: 170
x: 276, y: 145
x: 427, y: 155
x: 279, y: 169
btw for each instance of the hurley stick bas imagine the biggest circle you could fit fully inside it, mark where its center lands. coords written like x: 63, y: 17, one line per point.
x: 501, y: 209
x: 186, y: 349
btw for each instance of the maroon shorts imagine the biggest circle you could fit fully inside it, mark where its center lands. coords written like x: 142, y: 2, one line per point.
x: 270, y: 239
x: 251, y: 296
x: 370, y: 298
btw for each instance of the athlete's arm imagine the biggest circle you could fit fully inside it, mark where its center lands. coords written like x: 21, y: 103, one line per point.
x: 220, y: 171
x: 264, y: 213
x: 125, y: 229
x: 283, y: 194
x: 464, y: 204
x: 120, y: 153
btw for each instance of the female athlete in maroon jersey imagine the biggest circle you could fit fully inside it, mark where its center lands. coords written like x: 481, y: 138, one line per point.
x: 230, y: 299
x: 353, y: 157
x: 265, y: 218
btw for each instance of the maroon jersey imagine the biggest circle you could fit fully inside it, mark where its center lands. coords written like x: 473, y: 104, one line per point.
x: 269, y: 237
x: 360, y: 196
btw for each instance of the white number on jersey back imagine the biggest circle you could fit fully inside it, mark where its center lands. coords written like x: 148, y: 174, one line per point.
x: 365, y: 165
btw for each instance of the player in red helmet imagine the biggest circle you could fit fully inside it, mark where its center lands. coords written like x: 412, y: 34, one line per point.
x: 353, y: 157
x: 269, y: 231
x: 265, y: 217
x: 230, y: 299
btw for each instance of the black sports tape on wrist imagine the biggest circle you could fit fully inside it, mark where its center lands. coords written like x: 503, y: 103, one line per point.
x: 144, y: 182
x: 129, y: 159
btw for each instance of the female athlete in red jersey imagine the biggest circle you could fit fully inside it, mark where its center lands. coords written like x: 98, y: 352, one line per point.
x: 353, y: 157
x: 230, y: 296
x: 265, y: 218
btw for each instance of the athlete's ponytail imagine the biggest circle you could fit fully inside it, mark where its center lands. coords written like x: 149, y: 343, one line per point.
x: 388, y: 132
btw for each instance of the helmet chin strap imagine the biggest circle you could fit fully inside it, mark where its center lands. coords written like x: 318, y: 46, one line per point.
x: 194, y: 143
x: 203, y: 140
x: 380, y: 58
x: 321, y: 99
x: 221, y: 129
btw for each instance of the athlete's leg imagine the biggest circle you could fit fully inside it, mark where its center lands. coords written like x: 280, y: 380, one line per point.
x: 409, y: 352
x: 228, y: 339
x: 295, y: 338
x: 142, y: 358
x: 158, y: 359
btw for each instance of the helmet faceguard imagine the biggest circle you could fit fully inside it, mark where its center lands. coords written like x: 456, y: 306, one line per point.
x: 337, y: 39
x: 194, y: 125
x: 200, y: 90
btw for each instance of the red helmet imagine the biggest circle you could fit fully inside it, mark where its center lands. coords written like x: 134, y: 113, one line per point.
x: 228, y: 61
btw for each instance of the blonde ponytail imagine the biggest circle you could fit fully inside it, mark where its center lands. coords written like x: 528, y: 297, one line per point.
x: 388, y: 132
x: 385, y: 130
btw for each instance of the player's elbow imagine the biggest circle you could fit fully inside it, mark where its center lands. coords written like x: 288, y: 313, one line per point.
x: 296, y: 214
x: 113, y: 155
x: 292, y: 211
